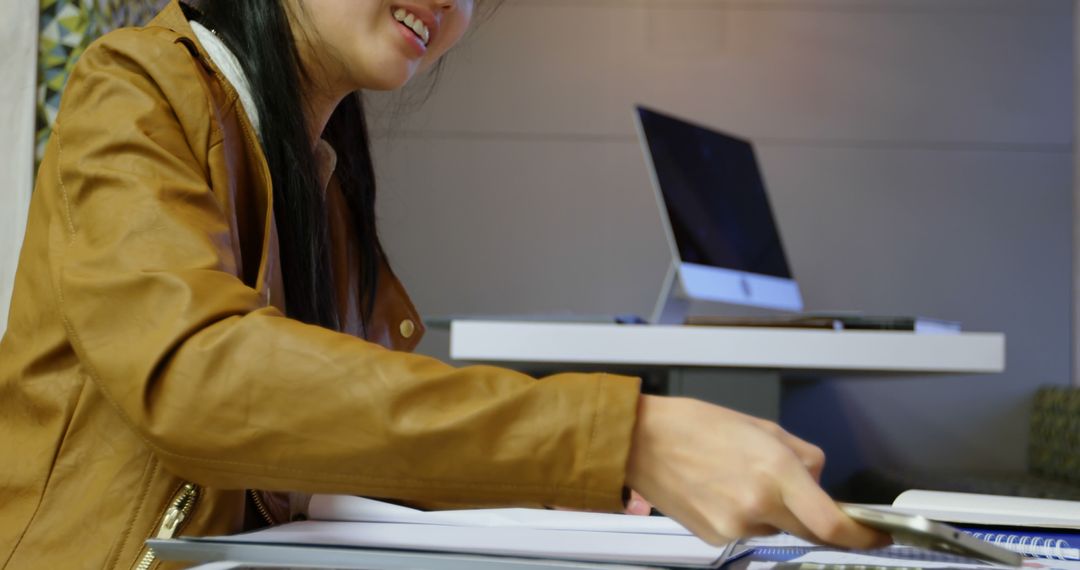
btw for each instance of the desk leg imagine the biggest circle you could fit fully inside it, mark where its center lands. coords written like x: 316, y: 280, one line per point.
x: 749, y: 391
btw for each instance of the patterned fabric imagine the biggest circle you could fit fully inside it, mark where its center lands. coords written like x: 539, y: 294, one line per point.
x: 67, y: 27
x: 1054, y: 450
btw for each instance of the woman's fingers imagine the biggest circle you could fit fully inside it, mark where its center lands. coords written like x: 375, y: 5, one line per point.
x: 811, y: 456
x: 805, y: 510
x: 784, y: 520
x: 742, y: 477
x: 820, y: 515
x: 637, y: 505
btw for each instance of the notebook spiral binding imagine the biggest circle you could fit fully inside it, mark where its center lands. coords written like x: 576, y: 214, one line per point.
x: 909, y: 553
x: 1032, y: 546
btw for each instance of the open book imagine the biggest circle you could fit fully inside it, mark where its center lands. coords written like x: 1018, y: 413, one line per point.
x: 533, y: 534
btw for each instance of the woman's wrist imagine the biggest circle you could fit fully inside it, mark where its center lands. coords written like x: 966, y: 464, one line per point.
x: 640, y: 441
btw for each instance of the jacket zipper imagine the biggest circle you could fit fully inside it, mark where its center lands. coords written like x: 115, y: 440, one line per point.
x: 178, y: 511
x: 260, y: 506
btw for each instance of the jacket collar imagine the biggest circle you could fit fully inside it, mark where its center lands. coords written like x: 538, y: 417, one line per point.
x: 172, y: 17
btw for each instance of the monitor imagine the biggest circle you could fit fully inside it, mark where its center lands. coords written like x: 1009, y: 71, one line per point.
x: 724, y: 240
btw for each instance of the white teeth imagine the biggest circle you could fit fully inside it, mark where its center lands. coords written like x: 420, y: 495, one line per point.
x: 421, y: 30
x: 416, y: 24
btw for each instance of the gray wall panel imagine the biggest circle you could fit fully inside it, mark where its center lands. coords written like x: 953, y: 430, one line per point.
x: 963, y: 73
x: 517, y: 226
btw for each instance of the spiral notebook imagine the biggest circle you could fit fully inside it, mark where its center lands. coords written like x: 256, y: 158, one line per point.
x: 1038, y: 528
x: 786, y: 552
x: 1035, y: 544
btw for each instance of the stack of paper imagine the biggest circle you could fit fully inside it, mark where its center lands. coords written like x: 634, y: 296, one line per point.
x: 359, y: 509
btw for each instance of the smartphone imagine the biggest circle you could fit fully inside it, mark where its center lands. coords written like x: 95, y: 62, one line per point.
x: 921, y: 532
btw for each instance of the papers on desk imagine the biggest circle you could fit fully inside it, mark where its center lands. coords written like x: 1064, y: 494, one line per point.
x: 359, y: 509
x: 513, y: 533
x: 652, y: 549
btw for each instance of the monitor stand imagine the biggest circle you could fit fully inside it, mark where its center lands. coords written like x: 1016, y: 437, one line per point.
x: 754, y: 392
x: 673, y: 305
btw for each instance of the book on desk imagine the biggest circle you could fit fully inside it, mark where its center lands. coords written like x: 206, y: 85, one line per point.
x: 352, y: 532
x: 345, y: 529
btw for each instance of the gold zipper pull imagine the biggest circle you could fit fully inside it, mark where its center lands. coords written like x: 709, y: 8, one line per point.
x: 178, y: 510
x: 173, y: 518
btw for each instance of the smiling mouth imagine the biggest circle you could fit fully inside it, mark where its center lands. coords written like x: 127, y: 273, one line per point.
x: 410, y: 21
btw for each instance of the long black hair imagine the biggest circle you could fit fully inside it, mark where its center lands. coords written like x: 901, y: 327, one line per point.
x: 258, y: 32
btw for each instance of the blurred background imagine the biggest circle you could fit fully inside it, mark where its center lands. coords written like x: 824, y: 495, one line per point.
x: 919, y: 156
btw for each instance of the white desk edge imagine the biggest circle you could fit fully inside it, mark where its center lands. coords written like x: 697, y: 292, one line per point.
x: 727, y: 347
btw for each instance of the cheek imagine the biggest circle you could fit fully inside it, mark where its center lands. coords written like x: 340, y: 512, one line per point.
x: 453, y: 29
x: 354, y: 34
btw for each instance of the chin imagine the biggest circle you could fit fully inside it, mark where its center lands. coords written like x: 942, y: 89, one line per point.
x: 390, y: 80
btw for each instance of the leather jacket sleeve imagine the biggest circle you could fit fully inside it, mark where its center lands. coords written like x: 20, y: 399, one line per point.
x: 227, y: 391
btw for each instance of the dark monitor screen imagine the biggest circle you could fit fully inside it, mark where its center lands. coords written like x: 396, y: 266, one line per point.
x: 714, y: 196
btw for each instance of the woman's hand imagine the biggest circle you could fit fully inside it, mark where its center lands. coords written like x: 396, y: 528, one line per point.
x: 726, y: 475
x: 637, y: 505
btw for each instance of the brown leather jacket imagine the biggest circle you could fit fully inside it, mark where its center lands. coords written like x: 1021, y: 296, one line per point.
x: 148, y: 364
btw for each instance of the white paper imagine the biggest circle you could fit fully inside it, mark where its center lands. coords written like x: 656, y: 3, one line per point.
x: 971, y: 508
x: 359, y: 509
x: 658, y: 549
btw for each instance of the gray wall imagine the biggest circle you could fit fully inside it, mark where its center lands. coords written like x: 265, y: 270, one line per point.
x: 1076, y: 203
x: 18, y: 49
x: 918, y: 154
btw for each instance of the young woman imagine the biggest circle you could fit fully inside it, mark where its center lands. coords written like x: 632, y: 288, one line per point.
x: 202, y: 309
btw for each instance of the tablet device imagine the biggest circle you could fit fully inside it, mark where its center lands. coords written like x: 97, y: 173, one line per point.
x: 921, y: 532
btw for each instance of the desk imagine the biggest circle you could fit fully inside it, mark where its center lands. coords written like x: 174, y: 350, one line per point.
x: 734, y: 366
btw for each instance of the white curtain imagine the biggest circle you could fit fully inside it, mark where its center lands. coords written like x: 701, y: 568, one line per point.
x: 18, y: 30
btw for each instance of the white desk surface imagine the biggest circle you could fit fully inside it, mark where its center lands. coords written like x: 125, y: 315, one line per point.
x: 727, y: 347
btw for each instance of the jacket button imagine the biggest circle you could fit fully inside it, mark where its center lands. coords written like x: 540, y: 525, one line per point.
x: 407, y: 328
